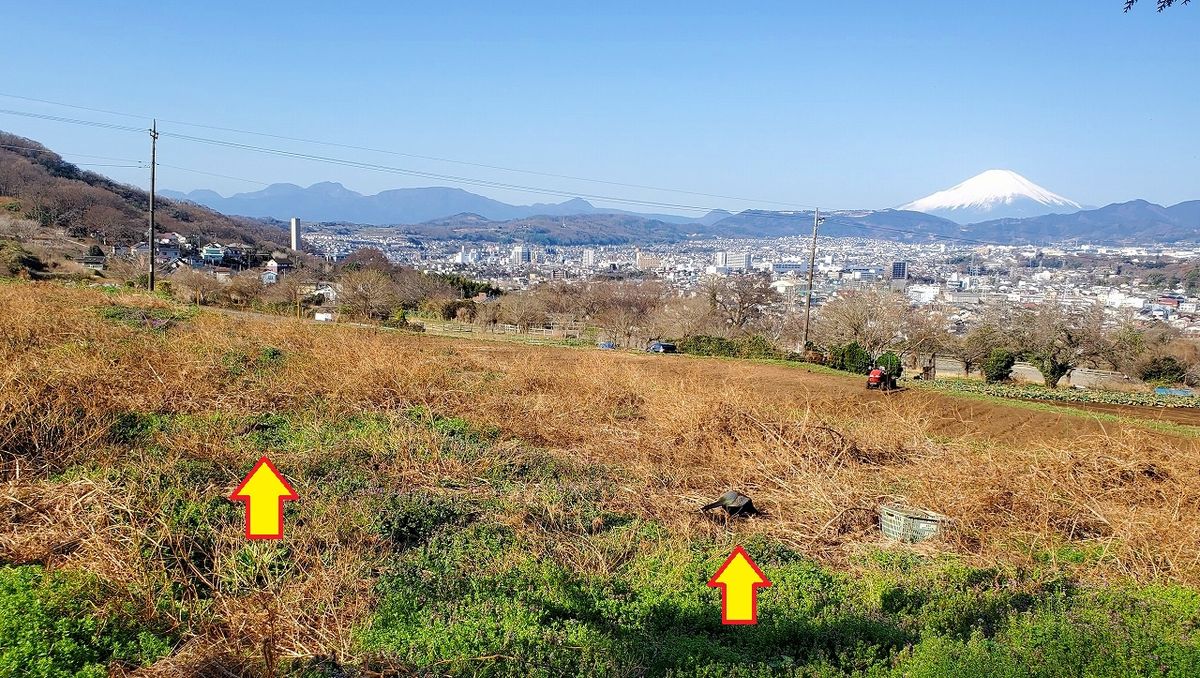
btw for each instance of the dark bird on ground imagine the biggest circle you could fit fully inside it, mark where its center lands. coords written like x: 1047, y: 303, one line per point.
x: 735, y: 504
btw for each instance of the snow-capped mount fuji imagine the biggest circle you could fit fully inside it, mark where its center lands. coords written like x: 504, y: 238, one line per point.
x: 994, y: 194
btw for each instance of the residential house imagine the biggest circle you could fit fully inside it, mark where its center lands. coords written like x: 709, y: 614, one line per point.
x: 93, y: 263
x: 279, y: 265
x: 326, y: 290
x: 162, y: 251
x: 213, y: 254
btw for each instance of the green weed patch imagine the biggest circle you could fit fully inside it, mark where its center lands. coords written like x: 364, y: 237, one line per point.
x: 62, y: 624
x: 480, y: 600
x: 1064, y: 395
x: 155, y: 318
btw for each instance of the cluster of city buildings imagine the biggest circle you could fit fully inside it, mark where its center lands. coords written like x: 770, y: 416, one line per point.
x: 174, y: 251
x: 962, y: 279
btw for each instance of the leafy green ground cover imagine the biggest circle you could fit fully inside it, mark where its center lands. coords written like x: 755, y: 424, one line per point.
x: 153, y: 318
x: 56, y: 624
x: 1037, y: 392
x: 479, y: 601
x: 510, y: 565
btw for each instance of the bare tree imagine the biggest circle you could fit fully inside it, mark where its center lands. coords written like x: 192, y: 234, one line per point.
x: 522, y: 309
x: 368, y: 293
x: 626, y: 307
x: 293, y: 290
x: 681, y: 317
x: 196, y: 286
x: 414, y: 288
x: 1127, y: 344
x: 973, y: 348
x: 488, y: 314
x: 17, y: 228
x: 738, y: 302
x: 112, y: 224
x: 873, y: 318
x: 243, y: 288
x: 367, y: 259
x: 925, y: 333
x: 1055, y: 339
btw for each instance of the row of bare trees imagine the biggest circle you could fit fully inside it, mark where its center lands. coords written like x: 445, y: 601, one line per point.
x: 1054, y: 338
x: 634, y: 311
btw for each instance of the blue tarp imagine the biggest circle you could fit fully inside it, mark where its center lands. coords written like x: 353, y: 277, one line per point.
x: 1185, y: 392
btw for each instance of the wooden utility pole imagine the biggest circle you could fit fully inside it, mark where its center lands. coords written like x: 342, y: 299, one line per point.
x: 812, y: 263
x: 153, y: 165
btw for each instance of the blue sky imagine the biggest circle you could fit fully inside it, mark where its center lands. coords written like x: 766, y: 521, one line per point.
x: 837, y: 104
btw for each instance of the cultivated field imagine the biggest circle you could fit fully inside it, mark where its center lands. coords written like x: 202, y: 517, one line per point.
x: 473, y: 507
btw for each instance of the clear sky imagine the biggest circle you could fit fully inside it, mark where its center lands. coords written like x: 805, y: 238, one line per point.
x: 839, y: 104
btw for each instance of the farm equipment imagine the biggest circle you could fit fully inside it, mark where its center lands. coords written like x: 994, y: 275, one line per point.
x: 880, y: 379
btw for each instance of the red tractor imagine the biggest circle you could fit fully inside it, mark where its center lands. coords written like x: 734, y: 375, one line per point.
x: 881, y: 379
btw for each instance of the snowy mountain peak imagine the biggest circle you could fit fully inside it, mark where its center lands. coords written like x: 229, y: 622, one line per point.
x: 993, y: 194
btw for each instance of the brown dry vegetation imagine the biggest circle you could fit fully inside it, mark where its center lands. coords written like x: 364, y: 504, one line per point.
x: 666, y: 432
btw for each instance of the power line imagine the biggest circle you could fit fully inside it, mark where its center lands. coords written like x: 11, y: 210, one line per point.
x: 73, y: 121
x: 214, y: 174
x: 466, y: 163
x: 79, y: 155
x: 372, y: 166
x: 75, y: 106
x: 433, y: 175
x: 464, y: 180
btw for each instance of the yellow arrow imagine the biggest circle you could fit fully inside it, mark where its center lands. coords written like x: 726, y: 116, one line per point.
x: 739, y: 580
x: 264, y: 490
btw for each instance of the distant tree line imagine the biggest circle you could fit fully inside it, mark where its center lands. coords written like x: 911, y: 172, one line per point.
x: 1054, y: 338
x: 633, y: 312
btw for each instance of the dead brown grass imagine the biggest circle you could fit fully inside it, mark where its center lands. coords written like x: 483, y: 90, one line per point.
x: 671, y: 432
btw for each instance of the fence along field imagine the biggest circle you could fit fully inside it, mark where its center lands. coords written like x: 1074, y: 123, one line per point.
x: 122, y: 437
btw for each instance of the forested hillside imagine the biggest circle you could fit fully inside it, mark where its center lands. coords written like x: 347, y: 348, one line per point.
x: 36, y: 183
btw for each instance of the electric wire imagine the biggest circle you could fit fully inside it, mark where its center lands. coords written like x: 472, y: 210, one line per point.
x: 456, y: 179
x: 467, y: 163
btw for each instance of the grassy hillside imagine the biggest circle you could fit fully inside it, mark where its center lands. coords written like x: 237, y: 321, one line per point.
x: 473, y: 508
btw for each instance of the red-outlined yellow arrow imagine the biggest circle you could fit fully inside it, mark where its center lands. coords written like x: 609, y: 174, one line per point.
x: 739, y: 580
x: 264, y: 489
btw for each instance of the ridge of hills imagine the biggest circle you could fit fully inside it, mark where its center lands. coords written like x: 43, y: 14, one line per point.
x: 40, y: 185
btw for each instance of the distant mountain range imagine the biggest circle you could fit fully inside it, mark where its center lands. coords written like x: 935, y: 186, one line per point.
x: 1132, y: 222
x: 1010, y: 209
x: 329, y: 202
x: 439, y: 212
x: 1136, y: 221
x: 614, y: 229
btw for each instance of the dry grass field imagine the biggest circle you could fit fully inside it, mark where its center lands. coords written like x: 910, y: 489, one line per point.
x: 472, y: 507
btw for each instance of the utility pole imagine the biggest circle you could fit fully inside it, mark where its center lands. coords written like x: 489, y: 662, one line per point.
x: 153, y: 165
x: 812, y: 263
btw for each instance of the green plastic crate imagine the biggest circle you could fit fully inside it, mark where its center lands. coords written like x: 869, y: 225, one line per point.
x: 905, y: 523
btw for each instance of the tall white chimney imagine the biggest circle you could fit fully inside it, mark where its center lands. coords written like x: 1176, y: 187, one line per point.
x: 296, y: 233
